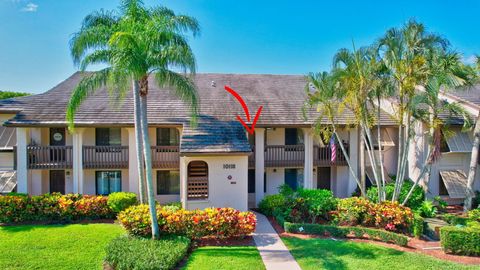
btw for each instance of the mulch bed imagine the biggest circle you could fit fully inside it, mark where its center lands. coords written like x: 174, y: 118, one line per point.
x: 414, y: 245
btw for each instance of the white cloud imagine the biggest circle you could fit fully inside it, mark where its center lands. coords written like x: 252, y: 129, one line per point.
x: 470, y: 59
x: 30, y: 7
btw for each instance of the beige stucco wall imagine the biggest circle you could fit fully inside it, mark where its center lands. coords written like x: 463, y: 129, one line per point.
x: 222, y: 192
x: 6, y: 160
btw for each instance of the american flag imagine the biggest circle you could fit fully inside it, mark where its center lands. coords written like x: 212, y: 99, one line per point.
x: 333, y: 147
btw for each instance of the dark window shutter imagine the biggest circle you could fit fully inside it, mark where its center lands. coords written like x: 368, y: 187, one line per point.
x: 290, y: 136
x: 251, y: 181
x: 102, y: 136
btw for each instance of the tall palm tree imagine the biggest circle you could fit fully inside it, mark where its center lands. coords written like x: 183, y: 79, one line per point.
x: 325, y: 96
x: 446, y: 71
x: 135, y: 42
x: 404, y: 52
x: 358, y: 73
x: 473, y: 159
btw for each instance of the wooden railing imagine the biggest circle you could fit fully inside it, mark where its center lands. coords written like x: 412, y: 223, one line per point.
x: 105, y: 157
x: 294, y: 156
x: 322, y: 156
x: 166, y: 157
x: 284, y: 155
x: 49, y: 157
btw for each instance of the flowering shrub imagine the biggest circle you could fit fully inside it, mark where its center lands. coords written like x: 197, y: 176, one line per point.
x: 215, y: 222
x: 387, y: 215
x: 353, y: 211
x: 53, y: 208
x: 392, y: 216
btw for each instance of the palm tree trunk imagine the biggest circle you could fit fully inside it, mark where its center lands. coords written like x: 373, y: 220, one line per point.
x: 473, y: 166
x: 403, y: 160
x: 427, y: 168
x: 148, y: 167
x: 373, y: 163
x: 138, y: 141
x: 380, y: 151
x: 362, y: 164
x: 347, y: 158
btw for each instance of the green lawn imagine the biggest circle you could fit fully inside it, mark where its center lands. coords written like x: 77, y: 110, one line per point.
x: 225, y: 258
x: 78, y: 246
x: 330, y: 254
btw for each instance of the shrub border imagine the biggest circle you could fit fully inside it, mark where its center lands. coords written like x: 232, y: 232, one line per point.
x: 344, y: 231
x: 460, y: 240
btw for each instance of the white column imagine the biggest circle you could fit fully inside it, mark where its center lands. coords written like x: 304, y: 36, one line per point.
x: 259, y: 164
x: 308, y: 166
x: 36, y: 185
x: 22, y: 170
x: 133, y: 174
x: 77, y: 160
x: 354, y: 158
x: 183, y: 182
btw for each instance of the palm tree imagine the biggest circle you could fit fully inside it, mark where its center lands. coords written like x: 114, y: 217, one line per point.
x: 360, y: 78
x: 404, y: 52
x: 134, y: 43
x: 446, y: 71
x: 325, y: 96
x: 473, y: 159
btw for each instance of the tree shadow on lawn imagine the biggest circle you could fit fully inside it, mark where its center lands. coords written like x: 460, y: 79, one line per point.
x: 226, y: 252
x: 331, y: 253
x: 31, y: 227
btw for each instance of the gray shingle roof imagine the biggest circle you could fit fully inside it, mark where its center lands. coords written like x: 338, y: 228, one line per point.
x: 282, y: 97
x: 470, y: 95
x: 214, y: 136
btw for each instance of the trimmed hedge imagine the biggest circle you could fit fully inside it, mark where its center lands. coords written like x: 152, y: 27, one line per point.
x: 344, y: 231
x: 418, y: 226
x: 119, y: 201
x: 125, y: 253
x: 53, y: 208
x: 216, y: 222
x: 460, y: 240
x: 271, y: 202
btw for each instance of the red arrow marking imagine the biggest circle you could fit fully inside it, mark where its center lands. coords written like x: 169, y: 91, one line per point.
x: 251, y: 129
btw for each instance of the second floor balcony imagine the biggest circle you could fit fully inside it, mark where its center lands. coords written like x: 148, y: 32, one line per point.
x: 97, y: 157
x: 294, y: 156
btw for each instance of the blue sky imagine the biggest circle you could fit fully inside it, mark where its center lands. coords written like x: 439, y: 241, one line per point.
x: 275, y: 37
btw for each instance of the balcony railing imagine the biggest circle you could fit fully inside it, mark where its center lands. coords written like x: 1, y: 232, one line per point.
x: 105, y: 157
x: 165, y: 157
x: 49, y: 157
x: 284, y: 155
x: 294, y: 156
x: 322, y: 156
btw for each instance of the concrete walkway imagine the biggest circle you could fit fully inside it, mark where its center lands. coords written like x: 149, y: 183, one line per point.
x: 275, y: 254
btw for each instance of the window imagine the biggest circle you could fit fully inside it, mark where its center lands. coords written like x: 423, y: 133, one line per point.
x: 108, y: 182
x: 251, y: 181
x: 168, y: 182
x: 168, y: 137
x: 293, y: 136
x: 108, y: 136
x: 197, y: 181
x: 294, y: 178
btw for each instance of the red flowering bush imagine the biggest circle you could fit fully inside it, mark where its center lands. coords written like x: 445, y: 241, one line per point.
x: 392, y: 216
x: 53, y: 208
x: 386, y: 215
x: 214, y: 222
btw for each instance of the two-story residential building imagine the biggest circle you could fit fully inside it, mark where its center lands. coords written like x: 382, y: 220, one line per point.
x: 215, y: 164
